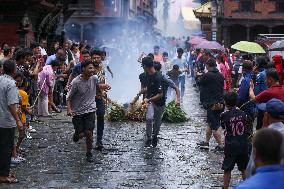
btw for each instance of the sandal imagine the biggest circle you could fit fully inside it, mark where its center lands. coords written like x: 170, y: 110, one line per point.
x: 9, y: 180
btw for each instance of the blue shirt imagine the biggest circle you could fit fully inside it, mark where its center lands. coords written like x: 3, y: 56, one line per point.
x: 266, y: 177
x: 50, y: 59
x: 76, y: 70
x: 243, y: 95
x: 260, y: 84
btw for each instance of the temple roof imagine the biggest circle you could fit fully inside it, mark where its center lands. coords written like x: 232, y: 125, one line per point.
x: 203, y: 11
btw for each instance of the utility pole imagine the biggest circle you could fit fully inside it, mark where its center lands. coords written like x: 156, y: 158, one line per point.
x: 214, y: 20
x: 166, y: 14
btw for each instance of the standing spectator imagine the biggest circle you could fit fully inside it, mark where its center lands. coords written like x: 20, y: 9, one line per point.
x: 157, y: 55
x: 55, y: 45
x: 59, y: 53
x: 105, y: 62
x: 9, y: 98
x: 67, y: 51
x: 236, y: 143
x: 212, y: 84
x: 1, y: 67
x: 260, y: 85
x: 224, y: 71
x: 100, y: 95
x: 167, y: 82
x: 243, y: 95
x: 181, y: 62
x: 76, y: 70
x: 174, y: 76
x: 273, y: 116
x: 275, y: 90
x: 278, y: 62
x: 46, y: 81
x: 267, y: 156
x: 237, y: 63
x: 74, y: 50
x: 7, y: 52
x: 43, y: 47
x: 166, y: 63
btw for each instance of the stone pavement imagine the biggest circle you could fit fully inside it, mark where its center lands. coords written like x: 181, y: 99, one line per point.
x: 54, y: 161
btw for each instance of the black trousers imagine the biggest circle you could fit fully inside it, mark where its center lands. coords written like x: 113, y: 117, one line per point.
x: 100, y: 119
x: 6, y: 148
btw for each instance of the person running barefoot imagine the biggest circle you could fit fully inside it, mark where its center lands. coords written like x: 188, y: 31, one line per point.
x: 81, y: 105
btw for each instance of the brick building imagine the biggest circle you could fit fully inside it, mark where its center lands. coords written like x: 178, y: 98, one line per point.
x: 24, y: 21
x: 245, y: 19
x: 96, y: 18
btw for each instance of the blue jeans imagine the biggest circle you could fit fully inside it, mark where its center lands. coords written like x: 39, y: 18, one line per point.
x: 100, y: 119
x: 182, y: 85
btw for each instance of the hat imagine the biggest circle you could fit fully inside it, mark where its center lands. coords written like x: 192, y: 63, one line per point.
x: 274, y: 107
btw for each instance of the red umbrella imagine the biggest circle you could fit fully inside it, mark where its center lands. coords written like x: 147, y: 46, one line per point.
x: 196, y: 40
x: 209, y: 45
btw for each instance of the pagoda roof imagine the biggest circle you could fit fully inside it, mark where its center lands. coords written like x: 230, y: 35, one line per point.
x: 203, y: 11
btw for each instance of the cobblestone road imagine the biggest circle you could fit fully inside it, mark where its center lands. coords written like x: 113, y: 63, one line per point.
x: 54, y: 161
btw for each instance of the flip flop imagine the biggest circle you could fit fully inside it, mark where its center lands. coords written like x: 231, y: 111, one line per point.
x: 9, y: 180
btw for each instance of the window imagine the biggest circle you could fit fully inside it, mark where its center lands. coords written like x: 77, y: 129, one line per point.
x: 280, y: 6
x: 108, y: 3
x: 246, y: 6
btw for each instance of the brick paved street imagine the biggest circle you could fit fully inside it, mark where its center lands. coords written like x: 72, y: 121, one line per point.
x: 54, y: 161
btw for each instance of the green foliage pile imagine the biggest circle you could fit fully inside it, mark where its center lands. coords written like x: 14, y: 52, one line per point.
x: 115, y: 114
x: 174, y: 114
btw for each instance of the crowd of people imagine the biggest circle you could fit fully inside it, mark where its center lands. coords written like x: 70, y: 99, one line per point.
x: 235, y: 90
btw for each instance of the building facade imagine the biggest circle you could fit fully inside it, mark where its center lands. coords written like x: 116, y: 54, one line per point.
x: 103, y: 18
x: 244, y: 19
x: 24, y: 21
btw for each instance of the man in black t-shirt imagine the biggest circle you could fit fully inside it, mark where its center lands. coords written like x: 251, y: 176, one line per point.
x: 236, y: 142
x: 155, y: 99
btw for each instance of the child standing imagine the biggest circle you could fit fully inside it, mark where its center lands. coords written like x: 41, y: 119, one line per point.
x: 174, y: 75
x: 236, y: 143
x: 22, y: 110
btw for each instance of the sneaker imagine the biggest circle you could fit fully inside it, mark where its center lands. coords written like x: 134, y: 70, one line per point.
x: 89, y: 157
x: 148, y: 143
x: 31, y: 129
x: 21, y: 158
x: 219, y: 149
x: 99, y: 146
x: 75, y: 137
x: 15, y: 160
x: 28, y: 135
x: 203, y: 145
x: 155, y: 142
